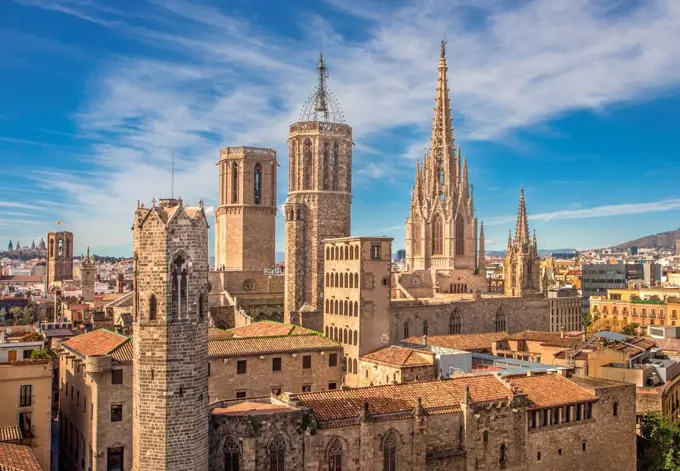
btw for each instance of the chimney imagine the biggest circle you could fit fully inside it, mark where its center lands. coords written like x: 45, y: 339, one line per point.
x: 425, y: 340
x: 562, y: 333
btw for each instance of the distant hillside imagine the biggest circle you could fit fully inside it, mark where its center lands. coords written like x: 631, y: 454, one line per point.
x: 541, y: 252
x: 663, y: 239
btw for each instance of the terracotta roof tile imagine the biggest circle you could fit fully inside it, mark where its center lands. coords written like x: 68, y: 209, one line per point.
x: 400, y: 356
x: 481, y: 341
x: 268, y: 329
x: 551, y: 390
x: 249, y: 408
x: 97, y: 342
x: 18, y: 457
x: 438, y: 395
x: 11, y: 433
x: 634, y: 346
x: 547, y: 338
x: 259, y: 345
x: 124, y: 353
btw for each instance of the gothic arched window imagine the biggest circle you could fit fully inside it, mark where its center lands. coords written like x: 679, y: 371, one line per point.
x: 356, y: 280
x: 335, y: 455
x: 51, y: 247
x: 153, y: 307
x: 277, y: 454
x: 390, y: 452
x: 232, y: 455
x: 179, y: 286
x: 325, y: 165
x: 356, y: 308
x: 500, y: 320
x: 356, y: 338
x: 426, y: 327
x: 354, y: 366
x: 68, y: 248
x: 454, y: 322
x: 257, y: 184
x: 234, y: 183
x: 307, y: 165
x: 503, y: 456
x: 406, y: 326
x: 293, y: 166
x: 460, y: 236
x: 416, y: 238
x: 437, y: 235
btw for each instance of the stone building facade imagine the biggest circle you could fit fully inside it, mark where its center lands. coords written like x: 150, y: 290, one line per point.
x: 170, y: 371
x: 480, y: 422
x: 59, y: 257
x: 522, y: 267
x: 95, y: 402
x: 356, y: 311
x: 88, y: 275
x: 245, y: 217
x: 318, y: 204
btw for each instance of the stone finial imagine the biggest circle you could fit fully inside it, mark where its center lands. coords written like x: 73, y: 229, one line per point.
x: 419, y: 411
x: 468, y: 396
x: 365, y: 415
x: 200, y: 203
x: 153, y: 203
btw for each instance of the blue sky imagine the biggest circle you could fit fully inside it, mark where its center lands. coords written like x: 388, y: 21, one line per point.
x: 578, y: 101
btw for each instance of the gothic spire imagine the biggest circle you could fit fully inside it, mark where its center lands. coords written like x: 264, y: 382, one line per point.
x: 481, y: 260
x: 442, y: 131
x: 509, y: 242
x: 321, y: 104
x: 522, y: 228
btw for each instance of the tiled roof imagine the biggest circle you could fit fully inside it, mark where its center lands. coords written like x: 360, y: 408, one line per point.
x: 551, y: 390
x: 437, y: 396
x: 124, y: 353
x: 634, y: 346
x: 268, y: 329
x: 249, y: 408
x: 11, y: 433
x: 461, y: 341
x: 260, y: 345
x: 671, y: 345
x: 548, y: 337
x: 581, y: 355
x: 97, y: 342
x: 17, y: 457
x: 400, y: 356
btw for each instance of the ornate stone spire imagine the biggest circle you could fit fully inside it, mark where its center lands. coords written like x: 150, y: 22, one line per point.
x: 442, y: 142
x: 481, y: 259
x: 509, y: 242
x: 321, y: 104
x: 522, y: 228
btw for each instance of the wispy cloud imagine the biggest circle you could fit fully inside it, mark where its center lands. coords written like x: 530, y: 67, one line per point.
x: 595, y: 212
x: 15, y: 204
x: 231, y: 81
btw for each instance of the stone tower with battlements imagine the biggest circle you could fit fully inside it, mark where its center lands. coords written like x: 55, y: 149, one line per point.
x: 88, y: 274
x: 170, y: 338
x: 441, y: 230
x: 319, y: 199
x: 59, y: 257
x: 245, y: 219
x: 522, y: 265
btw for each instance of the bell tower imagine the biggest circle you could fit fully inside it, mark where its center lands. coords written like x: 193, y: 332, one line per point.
x: 59, y: 257
x: 319, y: 199
x: 170, y: 338
x: 88, y: 273
x: 245, y: 220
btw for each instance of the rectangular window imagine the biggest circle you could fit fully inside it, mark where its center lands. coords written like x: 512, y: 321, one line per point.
x: 307, y: 361
x: 332, y: 386
x: 208, y: 368
x: 584, y: 445
x: 306, y: 388
x: 333, y: 359
x: 538, y: 456
x: 114, y: 459
x: 116, y: 376
x: 116, y: 413
x: 240, y: 394
x: 77, y: 397
x: 25, y: 393
x: 276, y: 364
x: 588, y: 410
x: 241, y: 367
x: 26, y: 424
x: 27, y: 354
x: 375, y: 251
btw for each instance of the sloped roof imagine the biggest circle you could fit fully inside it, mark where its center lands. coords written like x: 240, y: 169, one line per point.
x: 97, y: 342
x: 14, y: 457
x: 267, y: 329
x: 551, y: 391
x: 546, y: 338
x: 400, y: 356
x: 221, y: 347
x: 481, y: 341
x: 10, y: 433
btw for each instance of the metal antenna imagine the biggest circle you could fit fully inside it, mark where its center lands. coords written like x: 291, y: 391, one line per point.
x: 172, y: 178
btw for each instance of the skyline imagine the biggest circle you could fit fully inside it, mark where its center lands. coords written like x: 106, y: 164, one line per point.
x: 554, y: 115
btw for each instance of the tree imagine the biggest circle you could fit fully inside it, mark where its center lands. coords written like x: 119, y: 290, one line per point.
x: 41, y: 354
x: 658, y: 446
x: 22, y: 315
x: 630, y: 329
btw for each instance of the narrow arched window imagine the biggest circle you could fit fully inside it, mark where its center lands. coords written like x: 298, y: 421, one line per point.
x: 342, y: 278
x: 328, y: 255
x: 406, y: 326
x: 345, y: 336
x: 500, y: 320
x: 232, y: 455
x: 325, y: 165
x: 292, y: 176
x: 351, y: 281
x: 426, y: 327
x: 347, y: 253
x: 356, y: 338
x: 356, y: 308
x: 234, y: 183
x: 354, y: 363
x: 437, y: 235
x: 257, y: 184
x: 503, y: 456
x: 51, y: 247
x: 153, y: 307
x: 460, y: 236
x: 334, y: 167
x: 184, y: 292
x: 356, y: 280
x: 351, y: 309
x: 277, y: 454
x: 454, y: 322
x: 307, y: 164
x: 68, y: 248
x: 346, y: 280
x: 390, y: 452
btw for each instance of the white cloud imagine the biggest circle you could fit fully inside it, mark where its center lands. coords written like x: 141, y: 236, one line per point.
x: 231, y: 82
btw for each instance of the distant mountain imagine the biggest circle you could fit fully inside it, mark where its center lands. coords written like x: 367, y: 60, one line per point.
x: 541, y: 252
x: 663, y: 239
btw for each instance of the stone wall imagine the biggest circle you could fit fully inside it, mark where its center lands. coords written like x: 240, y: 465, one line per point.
x: 375, y: 374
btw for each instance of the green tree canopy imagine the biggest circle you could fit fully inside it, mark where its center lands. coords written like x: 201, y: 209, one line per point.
x: 658, y: 444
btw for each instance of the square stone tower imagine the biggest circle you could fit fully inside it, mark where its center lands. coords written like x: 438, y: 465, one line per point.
x: 357, y: 285
x: 245, y: 220
x: 59, y: 256
x: 170, y: 338
x: 88, y: 275
x: 319, y: 200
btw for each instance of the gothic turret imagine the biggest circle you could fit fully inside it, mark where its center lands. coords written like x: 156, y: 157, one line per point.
x: 10, y: 247
x: 481, y: 259
x: 522, y: 264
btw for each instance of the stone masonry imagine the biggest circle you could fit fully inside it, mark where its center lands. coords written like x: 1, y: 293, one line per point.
x: 170, y: 371
x: 59, y: 256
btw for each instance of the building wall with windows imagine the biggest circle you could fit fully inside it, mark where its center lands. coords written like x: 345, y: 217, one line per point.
x: 596, y: 279
x: 26, y: 398
x: 643, y: 306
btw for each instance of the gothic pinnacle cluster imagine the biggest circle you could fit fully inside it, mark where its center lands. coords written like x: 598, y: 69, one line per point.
x: 522, y: 265
x: 442, y: 228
